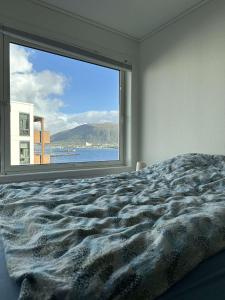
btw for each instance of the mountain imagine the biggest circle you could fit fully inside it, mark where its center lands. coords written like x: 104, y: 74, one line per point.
x: 93, y: 134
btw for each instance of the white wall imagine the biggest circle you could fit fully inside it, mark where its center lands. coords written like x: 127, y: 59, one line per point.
x: 183, y: 86
x: 29, y: 16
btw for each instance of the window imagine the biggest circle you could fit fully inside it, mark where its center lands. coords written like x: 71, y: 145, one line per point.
x: 24, y: 153
x: 24, y: 124
x: 74, y: 106
x: 60, y: 110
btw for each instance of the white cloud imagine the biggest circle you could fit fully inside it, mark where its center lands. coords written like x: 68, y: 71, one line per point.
x: 95, y: 117
x: 45, y: 90
x: 19, y: 59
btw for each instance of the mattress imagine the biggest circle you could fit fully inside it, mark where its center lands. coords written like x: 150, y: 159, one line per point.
x: 128, y: 236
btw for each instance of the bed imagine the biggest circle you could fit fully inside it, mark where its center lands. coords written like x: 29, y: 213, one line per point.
x: 128, y: 236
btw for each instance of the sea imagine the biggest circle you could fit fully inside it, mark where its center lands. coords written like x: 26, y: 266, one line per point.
x: 63, y: 155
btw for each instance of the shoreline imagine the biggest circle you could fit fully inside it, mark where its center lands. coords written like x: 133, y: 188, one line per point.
x: 83, y: 147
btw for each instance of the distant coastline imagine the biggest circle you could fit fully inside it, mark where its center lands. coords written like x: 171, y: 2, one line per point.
x: 85, y: 154
x: 63, y: 154
x: 72, y: 146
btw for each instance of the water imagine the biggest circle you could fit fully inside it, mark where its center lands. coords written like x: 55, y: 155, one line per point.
x: 84, y: 155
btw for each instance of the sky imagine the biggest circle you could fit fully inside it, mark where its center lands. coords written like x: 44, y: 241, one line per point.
x: 67, y: 92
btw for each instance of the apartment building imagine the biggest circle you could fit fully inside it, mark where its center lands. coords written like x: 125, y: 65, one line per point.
x: 24, y: 136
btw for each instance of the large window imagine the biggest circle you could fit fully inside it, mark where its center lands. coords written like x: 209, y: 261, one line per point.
x: 62, y: 111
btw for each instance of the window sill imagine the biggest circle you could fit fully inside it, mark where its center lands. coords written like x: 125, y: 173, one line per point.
x: 51, y: 175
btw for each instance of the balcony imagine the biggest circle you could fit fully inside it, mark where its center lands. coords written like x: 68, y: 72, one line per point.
x: 37, y: 137
x: 38, y: 159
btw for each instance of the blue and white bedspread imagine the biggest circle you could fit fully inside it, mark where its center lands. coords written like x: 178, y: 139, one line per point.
x: 129, y: 236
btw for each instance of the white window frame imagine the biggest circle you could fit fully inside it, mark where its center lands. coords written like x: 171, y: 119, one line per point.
x: 6, y: 167
x: 2, y: 108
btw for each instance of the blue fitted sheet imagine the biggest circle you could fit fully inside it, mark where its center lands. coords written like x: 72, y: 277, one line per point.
x: 206, y: 282
x: 9, y: 290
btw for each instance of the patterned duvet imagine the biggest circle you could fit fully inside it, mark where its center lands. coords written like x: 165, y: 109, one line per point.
x: 128, y: 236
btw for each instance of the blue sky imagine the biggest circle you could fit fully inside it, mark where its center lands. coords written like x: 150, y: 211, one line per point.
x: 89, y: 87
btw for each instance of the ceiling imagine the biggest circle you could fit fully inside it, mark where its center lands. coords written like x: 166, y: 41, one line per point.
x: 135, y: 18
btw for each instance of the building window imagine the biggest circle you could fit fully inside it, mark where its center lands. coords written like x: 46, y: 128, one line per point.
x: 24, y: 153
x: 24, y: 120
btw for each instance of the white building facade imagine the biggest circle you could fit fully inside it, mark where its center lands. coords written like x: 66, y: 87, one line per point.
x: 22, y: 133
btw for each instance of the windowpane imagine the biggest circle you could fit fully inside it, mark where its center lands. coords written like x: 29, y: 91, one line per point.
x: 24, y: 124
x: 68, y: 110
x: 24, y: 153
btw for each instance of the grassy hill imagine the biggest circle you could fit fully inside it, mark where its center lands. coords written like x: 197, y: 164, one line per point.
x: 95, y: 134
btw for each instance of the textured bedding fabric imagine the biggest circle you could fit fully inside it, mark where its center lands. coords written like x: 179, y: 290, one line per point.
x: 129, y: 236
